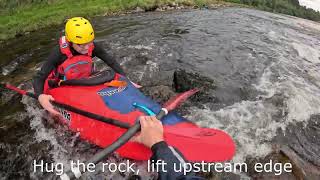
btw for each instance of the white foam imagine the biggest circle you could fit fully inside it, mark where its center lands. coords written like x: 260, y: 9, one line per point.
x: 140, y: 47
x: 62, y: 154
x: 265, y: 85
x: 246, y: 122
x: 153, y: 67
x: 307, y: 52
x: 304, y: 99
x: 9, y: 68
x: 43, y: 134
x: 253, y: 124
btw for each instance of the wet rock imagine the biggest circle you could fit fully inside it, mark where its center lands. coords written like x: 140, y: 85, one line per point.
x: 298, y: 145
x: 10, y: 105
x: 226, y: 176
x: 138, y: 9
x: 15, y: 63
x: 159, y: 93
x: 138, y: 60
x: 8, y: 98
x: 279, y: 101
x: 181, y: 31
x: 220, y: 176
x: 301, y: 146
x: 268, y: 176
x: 171, y: 6
x: 134, y: 177
x: 159, y: 9
x: 301, y: 168
x: 270, y: 172
x: 151, y: 8
x: 184, y: 81
x: 157, y: 79
x: 217, y: 6
x: 19, y: 150
x: 304, y: 140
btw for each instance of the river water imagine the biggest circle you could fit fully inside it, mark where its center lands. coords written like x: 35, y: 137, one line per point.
x: 265, y: 67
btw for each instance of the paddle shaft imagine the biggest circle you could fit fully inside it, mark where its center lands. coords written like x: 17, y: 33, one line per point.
x: 122, y: 139
x: 108, y: 150
x: 170, y: 105
x: 75, y: 110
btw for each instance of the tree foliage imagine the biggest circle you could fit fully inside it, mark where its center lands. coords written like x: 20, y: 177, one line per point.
x: 290, y: 7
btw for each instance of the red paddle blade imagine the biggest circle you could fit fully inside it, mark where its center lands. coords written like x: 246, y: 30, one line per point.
x: 175, y: 101
x: 15, y: 89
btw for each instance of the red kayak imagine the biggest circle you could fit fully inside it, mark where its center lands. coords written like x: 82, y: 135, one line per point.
x: 115, y: 101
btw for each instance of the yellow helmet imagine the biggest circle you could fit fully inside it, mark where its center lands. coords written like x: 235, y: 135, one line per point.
x: 79, y: 30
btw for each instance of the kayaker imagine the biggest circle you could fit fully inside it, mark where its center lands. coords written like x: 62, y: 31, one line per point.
x: 152, y: 136
x: 72, y: 59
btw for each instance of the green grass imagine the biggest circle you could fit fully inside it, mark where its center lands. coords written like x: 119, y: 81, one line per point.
x: 18, y: 16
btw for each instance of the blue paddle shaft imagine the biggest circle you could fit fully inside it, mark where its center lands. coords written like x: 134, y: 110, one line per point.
x: 144, y: 109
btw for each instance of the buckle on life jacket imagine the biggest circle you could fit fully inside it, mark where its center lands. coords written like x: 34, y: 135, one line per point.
x: 64, y: 45
x: 63, y: 42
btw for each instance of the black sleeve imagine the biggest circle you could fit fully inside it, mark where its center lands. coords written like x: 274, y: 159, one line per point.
x: 171, y: 157
x: 54, y: 60
x: 107, y: 58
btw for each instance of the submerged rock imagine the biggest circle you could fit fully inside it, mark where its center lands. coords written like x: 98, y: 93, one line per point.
x: 301, y: 146
x: 184, y: 81
x: 304, y: 139
x: 159, y: 93
x: 272, y: 167
x: 301, y: 169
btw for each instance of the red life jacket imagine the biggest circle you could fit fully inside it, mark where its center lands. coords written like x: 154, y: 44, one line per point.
x: 74, y: 67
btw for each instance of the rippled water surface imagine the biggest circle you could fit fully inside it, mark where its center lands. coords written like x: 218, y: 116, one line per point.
x: 266, y: 69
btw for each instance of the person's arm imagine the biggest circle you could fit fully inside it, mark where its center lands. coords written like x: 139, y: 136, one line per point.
x: 173, y: 160
x: 152, y: 137
x: 55, y: 58
x: 107, y: 58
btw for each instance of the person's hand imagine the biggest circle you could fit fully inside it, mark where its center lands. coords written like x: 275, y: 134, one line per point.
x: 151, y: 131
x: 44, y: 100
x: 136, y: 85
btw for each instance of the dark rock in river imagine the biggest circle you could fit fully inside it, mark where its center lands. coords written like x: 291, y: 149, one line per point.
x: 184, y: 81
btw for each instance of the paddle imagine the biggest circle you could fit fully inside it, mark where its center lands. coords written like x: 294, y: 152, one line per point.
x: 170, y: 105
x: 73, y: 109
x: 76, y: 173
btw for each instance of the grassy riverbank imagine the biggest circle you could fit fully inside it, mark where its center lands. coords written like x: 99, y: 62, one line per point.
x: 20, y: 16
